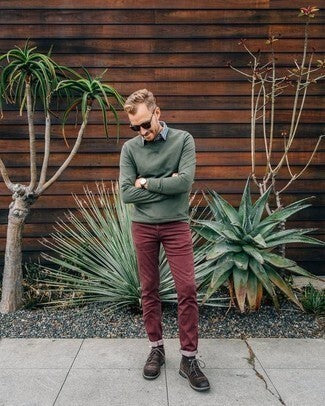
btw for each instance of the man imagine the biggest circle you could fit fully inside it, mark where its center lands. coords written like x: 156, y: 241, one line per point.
x: 156, y: 174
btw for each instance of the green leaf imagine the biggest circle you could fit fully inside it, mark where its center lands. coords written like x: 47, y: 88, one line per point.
x: 288, y: 233
x: 295, y: 239
x: 240, y: 285
x: 280, y: 215
x: 221, y: 248
x: 227, y: 209
x: 221, y: 229
x: 258, y: 240
x: 254, y: 291
x: 303, y: 272
x: 262, y: 276
x: 241, y: 260
x: 258, y: 208
x: 253, y: 253
x: 281, y: 284
x: 207, y: 233
x: 223, y: 276
x: 245, y: 207
x: 277, y: 260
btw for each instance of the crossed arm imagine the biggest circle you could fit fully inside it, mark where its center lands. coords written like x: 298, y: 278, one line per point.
x: 157, y: 189
x: 186, y: 170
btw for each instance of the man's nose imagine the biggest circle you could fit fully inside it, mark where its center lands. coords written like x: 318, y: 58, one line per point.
x: 143, y: 131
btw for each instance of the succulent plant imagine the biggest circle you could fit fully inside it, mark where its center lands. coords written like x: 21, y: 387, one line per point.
x: 242, y: 247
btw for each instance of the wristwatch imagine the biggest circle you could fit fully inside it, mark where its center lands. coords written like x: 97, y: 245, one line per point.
x: 143, y: 182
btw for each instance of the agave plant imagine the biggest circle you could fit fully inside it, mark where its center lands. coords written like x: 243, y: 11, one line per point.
x: 242, y: 245
x: 94, y: 258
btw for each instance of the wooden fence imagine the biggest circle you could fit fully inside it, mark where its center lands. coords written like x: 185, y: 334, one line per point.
x: 179, y: 50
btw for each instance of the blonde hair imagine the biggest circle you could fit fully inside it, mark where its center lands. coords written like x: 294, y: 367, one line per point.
x: 140, y: 96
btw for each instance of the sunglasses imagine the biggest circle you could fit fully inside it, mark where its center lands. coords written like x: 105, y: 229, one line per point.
x: 146, y: 125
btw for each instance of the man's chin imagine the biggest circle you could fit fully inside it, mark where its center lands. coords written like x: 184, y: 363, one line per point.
x: 149, y: 137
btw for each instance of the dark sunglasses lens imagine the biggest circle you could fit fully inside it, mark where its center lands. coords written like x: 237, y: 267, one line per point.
x: 146, y: 126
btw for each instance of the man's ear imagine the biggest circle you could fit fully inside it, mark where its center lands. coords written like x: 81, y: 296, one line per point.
x: 158, y: 112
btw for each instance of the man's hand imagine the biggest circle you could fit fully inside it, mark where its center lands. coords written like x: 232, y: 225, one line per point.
x: 137, y: 183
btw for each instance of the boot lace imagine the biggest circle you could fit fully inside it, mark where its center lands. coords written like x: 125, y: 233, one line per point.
x: 195, y: 365
x: 154, y: 353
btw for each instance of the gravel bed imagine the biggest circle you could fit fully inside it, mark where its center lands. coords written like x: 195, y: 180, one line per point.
x: 93, y: 320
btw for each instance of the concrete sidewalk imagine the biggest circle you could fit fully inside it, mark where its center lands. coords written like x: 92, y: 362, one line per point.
x: 95, y: 372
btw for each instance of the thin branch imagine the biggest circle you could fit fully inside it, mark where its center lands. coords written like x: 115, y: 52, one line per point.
x: 306, y: 166
x: 273, y: 91
x: 268, y: 161
x: 46, y: 152
x: 31, y: 130
x: 240, y: 71
x: 253, y: 121
x: 5, y: 176
x: 71, y: 155
x: 287, y: 158
x: 293, y: 125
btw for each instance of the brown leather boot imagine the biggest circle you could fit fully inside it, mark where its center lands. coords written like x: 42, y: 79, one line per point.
x: 190, y: 369
x: 155, y: 360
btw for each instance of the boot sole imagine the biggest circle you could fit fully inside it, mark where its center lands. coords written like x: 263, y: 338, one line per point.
x: 149, y: 377
x: 193, y: 387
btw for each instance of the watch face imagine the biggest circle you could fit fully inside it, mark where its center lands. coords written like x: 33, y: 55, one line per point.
x: 143, y: 181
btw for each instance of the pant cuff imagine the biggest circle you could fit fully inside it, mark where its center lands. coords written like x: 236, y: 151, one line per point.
x: 156, y: 343
x: 188, y: 353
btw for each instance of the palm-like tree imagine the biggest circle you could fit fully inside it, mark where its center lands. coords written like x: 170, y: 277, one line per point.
x: 29, y: 78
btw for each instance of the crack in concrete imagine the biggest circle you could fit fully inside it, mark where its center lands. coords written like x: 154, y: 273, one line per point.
x: 251, y: 360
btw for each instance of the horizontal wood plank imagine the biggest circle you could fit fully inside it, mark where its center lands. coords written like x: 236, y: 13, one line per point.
x: 132, y: 46
x: 198, y: 130
x: 169, y: 59
x: 129, y: 4
x: 57, y: 202
x: 154, y: 16
x: 91, y: 146
x: 62, y: 188
x: 179, y: 116
x: 158, y: 4
x: 16, y: 160
x: 36, y: 31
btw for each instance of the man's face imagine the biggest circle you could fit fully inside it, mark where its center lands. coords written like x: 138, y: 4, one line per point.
x: 144, y: 115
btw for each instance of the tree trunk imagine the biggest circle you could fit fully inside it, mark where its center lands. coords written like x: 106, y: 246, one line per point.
x: 12, y: 291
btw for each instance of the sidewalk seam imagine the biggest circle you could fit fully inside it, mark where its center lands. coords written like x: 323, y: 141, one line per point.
x: 251, y: 361
x: 165, y: 368
x: 68, y: 372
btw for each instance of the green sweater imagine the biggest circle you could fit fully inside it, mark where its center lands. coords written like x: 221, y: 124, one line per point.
x: 166, y: 198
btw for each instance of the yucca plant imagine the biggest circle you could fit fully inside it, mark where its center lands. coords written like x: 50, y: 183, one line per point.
x: 242, y: 245
x: 93, y: 258
x: 30, y: 79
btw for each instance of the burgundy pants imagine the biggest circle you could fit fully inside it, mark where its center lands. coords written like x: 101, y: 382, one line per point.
x: 177, y: 242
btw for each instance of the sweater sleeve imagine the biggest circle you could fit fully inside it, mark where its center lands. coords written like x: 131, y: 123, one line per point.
x: 128, y: 175
x: 186, y: 169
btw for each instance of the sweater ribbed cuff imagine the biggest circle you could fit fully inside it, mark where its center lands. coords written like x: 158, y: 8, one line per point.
x: 153, y: 185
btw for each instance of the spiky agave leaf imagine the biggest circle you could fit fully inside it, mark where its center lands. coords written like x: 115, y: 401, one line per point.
x: 245, y: 208
x: 26, y: 66
x: 243, y: 245
x: 85, y: 92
